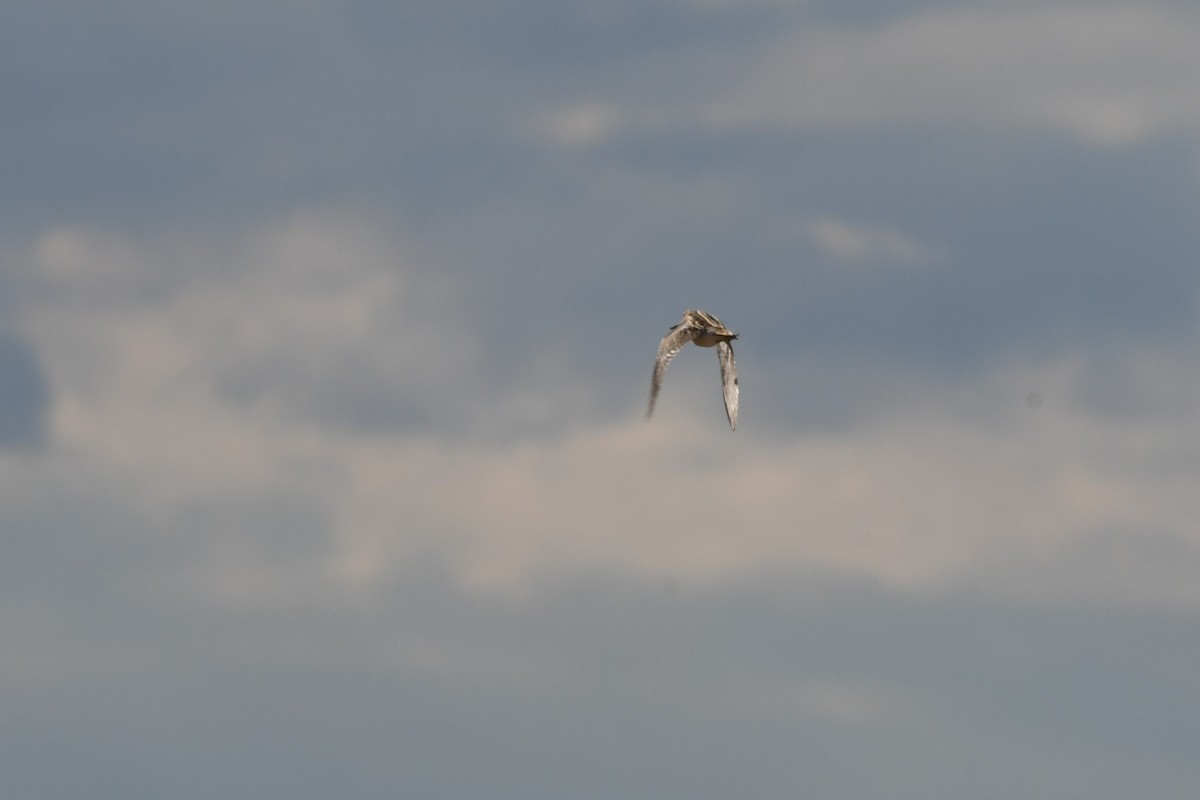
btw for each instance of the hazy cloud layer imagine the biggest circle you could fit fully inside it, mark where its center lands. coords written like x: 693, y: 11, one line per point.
x: 326, y: 342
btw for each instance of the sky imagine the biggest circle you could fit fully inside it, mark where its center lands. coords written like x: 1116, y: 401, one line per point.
x: 326, y: 332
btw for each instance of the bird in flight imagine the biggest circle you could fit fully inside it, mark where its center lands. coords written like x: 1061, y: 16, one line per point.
x: 705, y: 330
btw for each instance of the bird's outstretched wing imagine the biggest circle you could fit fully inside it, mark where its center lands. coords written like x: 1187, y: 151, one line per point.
x: 670, y: 345
x: 729, y: 382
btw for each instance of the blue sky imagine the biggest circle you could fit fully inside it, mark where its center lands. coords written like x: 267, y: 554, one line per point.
x: 326, y: 336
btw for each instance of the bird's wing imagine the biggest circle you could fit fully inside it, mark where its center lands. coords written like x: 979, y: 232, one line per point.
x: 729, y: 382
x: 667, y: 348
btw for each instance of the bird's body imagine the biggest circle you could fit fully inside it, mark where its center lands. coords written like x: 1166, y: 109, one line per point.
x: 704, y: 330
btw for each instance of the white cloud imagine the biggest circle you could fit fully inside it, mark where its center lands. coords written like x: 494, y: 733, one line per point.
x: 912, y: 502
x: 922, y: 496
x: 1108, y: 74
x: 857, y: 243
x: 210, y: 386
x: 578, y: 125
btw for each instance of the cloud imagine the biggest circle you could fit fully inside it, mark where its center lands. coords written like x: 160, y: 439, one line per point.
x: 1106, y: 74
x: 260, y: 323
x: 578, y: 125
x: 300, y: 364
x: 856, y: 243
